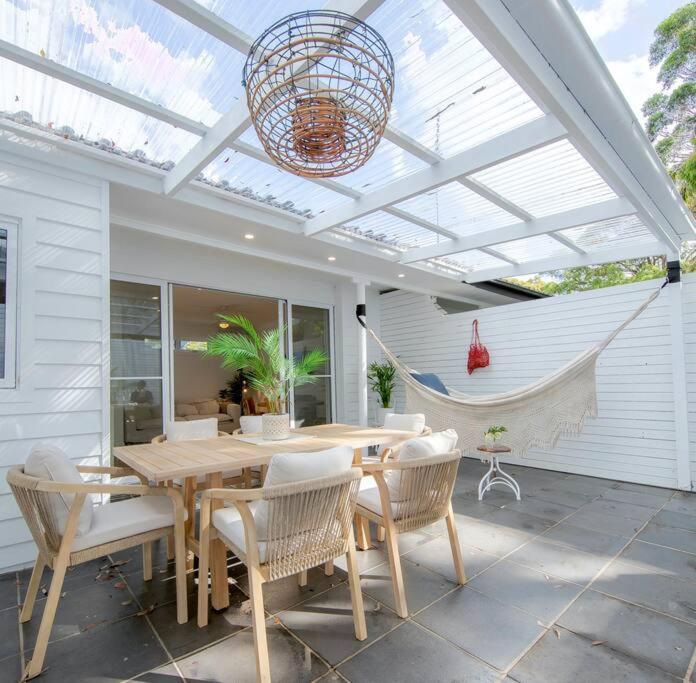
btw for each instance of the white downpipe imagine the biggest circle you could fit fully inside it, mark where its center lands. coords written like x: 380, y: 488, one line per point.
x: 362, y: 358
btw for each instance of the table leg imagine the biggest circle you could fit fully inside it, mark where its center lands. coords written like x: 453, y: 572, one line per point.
x: 190, y: 524
x: 218, y: 554
x: 362, y: 525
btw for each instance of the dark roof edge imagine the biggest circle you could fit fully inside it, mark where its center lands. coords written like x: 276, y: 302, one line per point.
x: 509, y: 289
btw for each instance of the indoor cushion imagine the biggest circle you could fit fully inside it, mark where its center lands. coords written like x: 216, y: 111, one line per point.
x: 50, y: 462
x: 125, y: 518
x: 192, y: 429
x: 209, y: 407
x: 414, y: 422
x: 431, y: 380
x: 250, y: 424
x: 186, y: 409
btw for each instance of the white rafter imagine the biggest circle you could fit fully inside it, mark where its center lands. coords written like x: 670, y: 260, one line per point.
x: 560, y: 262
x: 611, y: 208
x: 506, y: 146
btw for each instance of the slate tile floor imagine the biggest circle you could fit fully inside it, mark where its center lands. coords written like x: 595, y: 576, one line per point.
x: 585, y: 579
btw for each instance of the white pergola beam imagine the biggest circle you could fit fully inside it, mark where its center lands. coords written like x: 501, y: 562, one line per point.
x: 567, y: 242
x: 507, y: 146
x: 621, y: 253
x: 495, y: 198
x: 72, y: 77
x: 545, y: 49
x: 612, y: 208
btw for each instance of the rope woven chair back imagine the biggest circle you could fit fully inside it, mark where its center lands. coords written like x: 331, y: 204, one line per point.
x: 37, y: 511
x: 309, y: 522
x: 425, y: 489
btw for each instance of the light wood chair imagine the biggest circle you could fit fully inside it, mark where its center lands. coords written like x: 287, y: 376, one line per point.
x: 308, y: 523
x: 421, y: 493
x: 56, y: 551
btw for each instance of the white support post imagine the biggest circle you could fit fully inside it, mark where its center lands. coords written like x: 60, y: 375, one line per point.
x: 681, y: 415
x: 362, y: 358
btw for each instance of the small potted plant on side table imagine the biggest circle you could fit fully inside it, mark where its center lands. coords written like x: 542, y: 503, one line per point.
x: 266, y: 369
x: 492, y: 434
x: 382, y: 377
x: 495, y: 475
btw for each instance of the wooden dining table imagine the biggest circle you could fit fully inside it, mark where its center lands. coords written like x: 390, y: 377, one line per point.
x: 187, y: 461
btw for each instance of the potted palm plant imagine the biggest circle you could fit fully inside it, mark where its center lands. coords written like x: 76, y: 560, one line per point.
x: 382, y: 378
x: 266, y: 369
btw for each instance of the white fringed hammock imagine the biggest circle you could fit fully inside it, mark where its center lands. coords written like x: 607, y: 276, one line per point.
x: 536, y: 415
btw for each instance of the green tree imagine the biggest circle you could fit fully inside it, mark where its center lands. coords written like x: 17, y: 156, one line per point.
x: 671, y: 114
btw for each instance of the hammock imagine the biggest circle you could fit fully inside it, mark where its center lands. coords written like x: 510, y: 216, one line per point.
x: 536, y: 415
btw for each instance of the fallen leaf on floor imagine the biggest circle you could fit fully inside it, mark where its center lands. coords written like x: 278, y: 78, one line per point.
x: 119, y: 563
x: 276, y: 620
x: 598, y: 642
x: 63, y: 594
x: 163, y: 571
x: 42, y: 52
x: 557, y: 632
x: 378, y: 607
x: 147, y: 610
x: 120, y: 585
x: 125, y: 603
x: 245, y: 607
x: 43, y: 590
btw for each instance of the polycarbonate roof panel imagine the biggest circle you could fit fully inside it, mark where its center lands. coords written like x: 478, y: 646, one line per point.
x: 533, y: 248
x: 268, y: 183
x: 622, y: 230
x: 450, y: 94
x: 468, y: 261
x: 548, y: 180
x: 135, y: 45
x: 31, y: 98
x: 459, y: 209
x: 389, y: 230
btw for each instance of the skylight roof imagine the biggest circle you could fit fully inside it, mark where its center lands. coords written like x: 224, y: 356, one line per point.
x: 386, y: 229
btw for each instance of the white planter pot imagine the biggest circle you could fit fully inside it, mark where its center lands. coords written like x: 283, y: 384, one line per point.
x: 275, y: 427
x: 381, y: 412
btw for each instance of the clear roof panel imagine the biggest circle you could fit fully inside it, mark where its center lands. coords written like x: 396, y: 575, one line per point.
x: 548, y: 180
x: 533, y: 248
x: 268, y: 183
x: 609, y: 233
x: 384, y: 228
x: 135, y: 45
x: 468, y: 261
x: 31, y: 98
x: 459, y: 209
x: 450, y: 93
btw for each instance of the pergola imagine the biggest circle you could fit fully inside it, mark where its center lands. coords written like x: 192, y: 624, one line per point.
x: 510, y: 149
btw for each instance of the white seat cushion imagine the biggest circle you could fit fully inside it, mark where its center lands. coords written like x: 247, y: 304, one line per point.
x: 192, y: 429
x: 229, y: 523
x: 114, y: 521
x: 368, y: 496
x: 51, y: 463
x: 250, y: 424
x: 414, y: 422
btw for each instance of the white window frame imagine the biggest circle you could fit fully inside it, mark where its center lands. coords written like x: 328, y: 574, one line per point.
x: 9, y: 379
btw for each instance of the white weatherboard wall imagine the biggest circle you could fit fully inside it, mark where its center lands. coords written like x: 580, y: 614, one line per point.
x: 63, y: 334
x: 633, y: 439
x: 689, y: 305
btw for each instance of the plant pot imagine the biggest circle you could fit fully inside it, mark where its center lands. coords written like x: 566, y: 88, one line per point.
x: 489, y: 440
x: 381, y: 412
x: 275, y: 427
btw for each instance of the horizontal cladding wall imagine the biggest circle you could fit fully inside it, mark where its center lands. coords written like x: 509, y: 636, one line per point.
x: 63, y: 271
x: 689, y: 304
x: 633, y: 437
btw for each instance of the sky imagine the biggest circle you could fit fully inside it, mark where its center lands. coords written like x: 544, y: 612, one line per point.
x: 622, y: 30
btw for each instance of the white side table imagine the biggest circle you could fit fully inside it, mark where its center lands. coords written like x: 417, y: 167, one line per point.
x: 495, y: 475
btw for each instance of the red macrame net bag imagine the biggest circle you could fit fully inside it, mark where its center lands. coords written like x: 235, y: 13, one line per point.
x: 478, y: 353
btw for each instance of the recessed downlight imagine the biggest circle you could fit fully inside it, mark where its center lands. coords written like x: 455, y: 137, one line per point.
x: 249, y: 236
x: 331, y: 258
x: 401, y: 275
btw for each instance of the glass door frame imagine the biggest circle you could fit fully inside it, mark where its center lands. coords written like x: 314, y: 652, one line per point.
x: 289, y: 303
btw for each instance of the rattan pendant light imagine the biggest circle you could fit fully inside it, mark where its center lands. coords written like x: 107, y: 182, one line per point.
x: 319, y: 86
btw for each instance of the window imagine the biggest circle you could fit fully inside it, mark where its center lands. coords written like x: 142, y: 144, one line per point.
x: 189, y: 345
x: 8, y: 304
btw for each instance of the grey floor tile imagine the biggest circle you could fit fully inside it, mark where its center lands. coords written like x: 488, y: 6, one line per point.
x: 411, y: 654
x: 660, y: 641
x: 584, y: 486
x: 367, y: 559
x: 518, y: 521
x: 9, y: 632
x: 588, y: 540
x: 437, y: 556
x: 499, y: 495
x: 543, y: 596
x: 682, y: 502
x: 232, y: 660
x: 491, y: 630
x: 679, y: 539
x: 325, y: 623
x: 10, y: 669
x: 422, y: 586
x: 644, y: 587
x: 573, y: 659
x: 284, y: 593
x: 162, y: 674
x: 490, y: 538
x: 567, y: 498
x: 160, y: 590
x: 183, y: 639
x: 8, y: 590
x: 470, y: 506
x: 604, y: 522
x: 538, y: 507
x: 677, y: 520
x: 117, y: 651
x: 82, y: 608
x: 660, y: 559
x: 613, y: 508
x: 410, y: 540
x: 560, y: 561
x: 648, y: 500
x: 665, y: 494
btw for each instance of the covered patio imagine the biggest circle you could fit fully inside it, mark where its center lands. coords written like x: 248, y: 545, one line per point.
x: 139, y: 199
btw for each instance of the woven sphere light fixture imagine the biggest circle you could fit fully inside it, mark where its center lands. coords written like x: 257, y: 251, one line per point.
x: 319, y: 87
